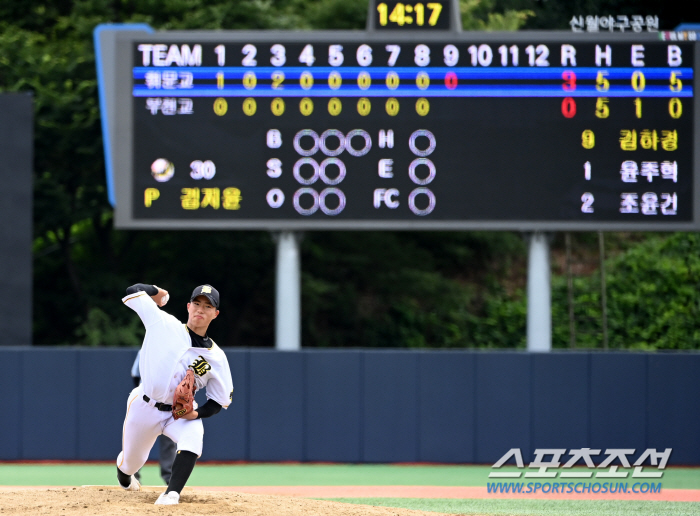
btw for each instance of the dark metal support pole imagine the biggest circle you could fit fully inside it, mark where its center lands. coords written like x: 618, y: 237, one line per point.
x: 570, y: 287
x: 603, y: 297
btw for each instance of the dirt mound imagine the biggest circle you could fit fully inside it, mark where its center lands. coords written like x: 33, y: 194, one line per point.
x: 109, y: 501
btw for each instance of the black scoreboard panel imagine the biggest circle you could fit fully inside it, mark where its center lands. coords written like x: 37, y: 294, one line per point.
x: 347, y: 132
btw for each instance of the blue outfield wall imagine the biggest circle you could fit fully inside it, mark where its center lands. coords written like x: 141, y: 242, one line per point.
x: 371, y: 406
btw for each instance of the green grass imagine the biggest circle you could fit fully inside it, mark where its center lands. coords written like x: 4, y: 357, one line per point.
x: 369, y: 474
x: 535, y: 507
x: 289, y: 475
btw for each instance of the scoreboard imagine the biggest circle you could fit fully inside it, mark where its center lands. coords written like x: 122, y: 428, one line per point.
x: 372, y: 130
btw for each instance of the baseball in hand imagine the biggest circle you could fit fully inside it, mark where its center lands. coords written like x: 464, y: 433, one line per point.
x: 161, y: 297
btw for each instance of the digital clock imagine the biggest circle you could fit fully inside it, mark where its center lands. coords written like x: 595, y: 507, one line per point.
x: 398, y: 14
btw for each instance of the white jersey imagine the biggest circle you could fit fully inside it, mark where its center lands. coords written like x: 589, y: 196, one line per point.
x: 167, y: 353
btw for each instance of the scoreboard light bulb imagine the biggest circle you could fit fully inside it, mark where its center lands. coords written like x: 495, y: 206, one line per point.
x: 341, y: 201
x: 422, y: 152
x: 297, y: 142
x: 341, y: 171
x: 412, y: 201
x: 412, y: 171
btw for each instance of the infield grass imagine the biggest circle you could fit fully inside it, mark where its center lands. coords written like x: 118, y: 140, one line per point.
x: 42, y: 474
x: 56, y: 474
x: 535, y: 507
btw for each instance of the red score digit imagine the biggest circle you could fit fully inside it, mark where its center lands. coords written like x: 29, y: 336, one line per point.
x: 568, y: 107
x: 569, y: 79
x: 451, y: 80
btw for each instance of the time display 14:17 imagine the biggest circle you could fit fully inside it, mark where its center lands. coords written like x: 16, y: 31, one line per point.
x: 407, y: 14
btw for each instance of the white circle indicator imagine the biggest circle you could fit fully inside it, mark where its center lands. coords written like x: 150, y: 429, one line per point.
x: 348, y: 142
x: 297, y: 201
x: 415, y: 149
x: 341, y: 201
x: 341, y: 171
x: 297, y: 142
x: 341, y: 145
x: 412, y: 171
x: 412, y: 201
x: 297, y: 171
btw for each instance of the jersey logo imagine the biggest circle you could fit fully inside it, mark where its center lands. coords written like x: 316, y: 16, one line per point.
x: 230, y: 398
x: 200, y: 366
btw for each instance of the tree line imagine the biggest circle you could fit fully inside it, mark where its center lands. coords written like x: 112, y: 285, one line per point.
x: 369, y: 289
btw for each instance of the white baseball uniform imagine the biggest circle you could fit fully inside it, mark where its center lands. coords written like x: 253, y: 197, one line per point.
x: 166, y: 354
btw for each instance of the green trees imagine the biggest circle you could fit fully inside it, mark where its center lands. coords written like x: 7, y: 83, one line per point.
x: 359, y: 289
x: 653, y: 297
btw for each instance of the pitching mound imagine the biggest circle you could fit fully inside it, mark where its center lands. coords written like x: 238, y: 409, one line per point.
x: 108, y: 501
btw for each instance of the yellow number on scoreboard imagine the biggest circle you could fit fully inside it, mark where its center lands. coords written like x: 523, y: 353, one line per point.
x: 277, y: 80
x: 392, y: 106
x: 392, y: 80
x: 249, y: 80
x: 422, y: 106
x: 675, y: 107
x: 602, y: 110
x: 676, y: 84
x: 335, y: 106
x: 588, y: 139
x: 638, y: 107
x: 422, y: 81
x: 364, y: 106
x: 638, y: 81
x: 398, y: 14
x: 220, y: 106
x: 383, y: 9
x: 306, y: 106
x: 435, y: 14
x: 250, y: 106
x: 334, y: 80
x: 364, y: 81
x: 601, y: 83
x: 306, y: 81
x: 420, y: 14
x: 277, y: 106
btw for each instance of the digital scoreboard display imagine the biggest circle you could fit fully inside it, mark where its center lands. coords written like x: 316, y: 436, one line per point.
x: 379, y: 131
x: 414, y: 16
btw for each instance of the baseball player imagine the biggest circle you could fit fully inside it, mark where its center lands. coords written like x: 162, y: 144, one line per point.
x: 176, y: 359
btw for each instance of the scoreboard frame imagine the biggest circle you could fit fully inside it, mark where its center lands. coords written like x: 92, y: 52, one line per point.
x: 118, y: 67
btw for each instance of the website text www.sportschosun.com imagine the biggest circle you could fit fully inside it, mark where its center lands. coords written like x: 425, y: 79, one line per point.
x: 572, y: 487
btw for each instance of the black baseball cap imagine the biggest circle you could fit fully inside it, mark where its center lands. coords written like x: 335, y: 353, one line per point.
x: 207, y: 291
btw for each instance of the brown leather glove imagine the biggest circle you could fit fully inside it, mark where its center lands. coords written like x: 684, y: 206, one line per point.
x: 183, y: 400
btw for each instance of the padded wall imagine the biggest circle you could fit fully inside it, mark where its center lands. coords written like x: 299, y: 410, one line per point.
x: 373, y: 406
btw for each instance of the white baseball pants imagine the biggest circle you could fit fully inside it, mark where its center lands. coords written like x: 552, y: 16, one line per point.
x: 144, y: 423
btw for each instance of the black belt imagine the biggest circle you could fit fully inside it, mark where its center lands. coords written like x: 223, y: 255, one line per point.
x: 159, y: 405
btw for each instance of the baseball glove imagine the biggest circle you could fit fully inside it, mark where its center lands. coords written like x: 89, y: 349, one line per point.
x: 183, y: 400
